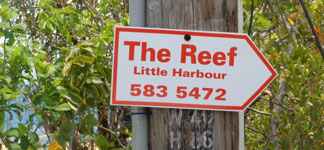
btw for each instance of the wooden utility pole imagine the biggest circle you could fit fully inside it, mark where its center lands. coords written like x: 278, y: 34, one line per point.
x: 193, y: 129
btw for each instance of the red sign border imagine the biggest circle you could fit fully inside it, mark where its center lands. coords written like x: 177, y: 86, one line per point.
x: 114, y: 101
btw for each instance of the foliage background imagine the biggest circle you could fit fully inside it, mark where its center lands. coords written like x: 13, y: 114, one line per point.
x: 55, y: 69
x: 56, y: 61
x: 290, y: 113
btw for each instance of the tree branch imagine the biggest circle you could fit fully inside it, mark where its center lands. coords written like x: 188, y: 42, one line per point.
x: 260, y: 112
x: 115, y: 134
x: 257, y: 131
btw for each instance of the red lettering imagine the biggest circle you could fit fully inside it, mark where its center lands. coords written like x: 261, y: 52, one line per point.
x: 145, y: 50
x: 182, y: 92
x: 147, y: 71
x: 231, y: 55
x: 191, y: 53
x: 200, y: 74
x: 131, y: 45
x: 204, y: 57
x: 150, y: 71
x: 164, y: 73
x: 148, y: 90
x: 175, y: 72
x: 163, y: 55
x: 219, y: 58
x: 135, y: 71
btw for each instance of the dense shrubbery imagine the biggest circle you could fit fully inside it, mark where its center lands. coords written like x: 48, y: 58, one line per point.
x: 55, y: 75
x: 56, y: 61
x: 290, y: 113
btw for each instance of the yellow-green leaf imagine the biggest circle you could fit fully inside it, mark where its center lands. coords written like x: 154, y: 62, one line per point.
x: 55, y: 146
x: 83, y: 59
x: 63, y: 107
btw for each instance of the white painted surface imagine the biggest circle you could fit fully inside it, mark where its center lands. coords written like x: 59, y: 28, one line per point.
x: 242, y: 80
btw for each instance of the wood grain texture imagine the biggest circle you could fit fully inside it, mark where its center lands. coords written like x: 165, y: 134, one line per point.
x: 177, y: 129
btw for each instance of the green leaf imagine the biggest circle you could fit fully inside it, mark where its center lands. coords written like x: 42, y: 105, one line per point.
x: 12, y: 132
x: 4, y: 24
x: 91, y: 121
x: 50, y: 28
x: 2, y: 124
x: 88, y: 138
x: 18, y: 114
x: 82, y: 109
x: 87, y: 49
x: 24, y: 143
x: 20, y: 26
x: 101, y: 142
x: 61, y: 89
x: 91, y: 102
x: 111, y: 144
x: 2, y: 117
x: 42, y: 24
x: 92, y: 91
x: 40, y: 119
x: 22, y: 129
x: 80, y: 60
x: 100, y: 69
x: 261, y: 21
x: 82, y: 127
x: 5, y: 90
x: 108, y: 71
x: 73, y: 52
x: 86, y: 43
x: 95, y: 78
x: 13, y: 146
x: 71, y: 10
x: 56, y: 115
x: 72, y: 88
x: 50, y: 69
x: 72, y: 106
x: 67, y: 68
x: 8, y: 13
x: 74, y: 98
x: 63, y: 48
x: 39, y: 64
x: 37, y: 98
x: 18, y: 106
x: 33, y: 137
x: 102, y: 90
x: 64, y: 132
x: 51, y: 100
x: 63, y: 107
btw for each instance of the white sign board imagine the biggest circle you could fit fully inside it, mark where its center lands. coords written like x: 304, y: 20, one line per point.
x: 187, y: 69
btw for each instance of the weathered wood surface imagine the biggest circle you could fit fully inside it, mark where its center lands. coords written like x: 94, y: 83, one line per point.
x: 193, y: 129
